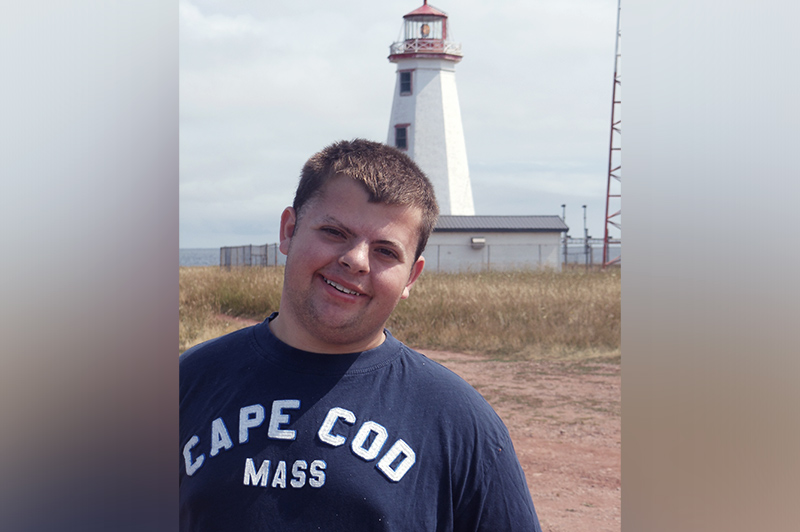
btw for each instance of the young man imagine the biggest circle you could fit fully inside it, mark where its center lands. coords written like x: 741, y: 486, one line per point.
x: 318, y: 419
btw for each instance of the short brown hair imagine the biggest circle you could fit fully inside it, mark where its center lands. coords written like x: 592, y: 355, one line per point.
x: 389, y: 175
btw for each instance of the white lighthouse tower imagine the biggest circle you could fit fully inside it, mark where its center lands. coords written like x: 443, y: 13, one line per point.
x: 426, y: 118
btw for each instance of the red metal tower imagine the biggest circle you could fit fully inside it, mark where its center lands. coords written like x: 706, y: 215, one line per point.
x: 614, y: 188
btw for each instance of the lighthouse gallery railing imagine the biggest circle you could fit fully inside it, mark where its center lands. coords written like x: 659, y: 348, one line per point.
x: 425, y: 46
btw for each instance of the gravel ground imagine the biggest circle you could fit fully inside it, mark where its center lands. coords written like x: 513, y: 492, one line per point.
x: 564, y: 420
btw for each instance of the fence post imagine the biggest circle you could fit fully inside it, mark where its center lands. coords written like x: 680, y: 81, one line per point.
x: 586, y: 250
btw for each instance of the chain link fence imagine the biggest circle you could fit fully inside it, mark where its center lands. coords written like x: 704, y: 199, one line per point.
x: 588, y: 253
x: 448, y: 257
x: 250, y: 255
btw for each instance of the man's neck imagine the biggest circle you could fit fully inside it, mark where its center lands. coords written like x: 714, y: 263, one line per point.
x: 296, y: 336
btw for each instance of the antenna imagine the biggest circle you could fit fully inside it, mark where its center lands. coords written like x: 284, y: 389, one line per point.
x: 614, y: 187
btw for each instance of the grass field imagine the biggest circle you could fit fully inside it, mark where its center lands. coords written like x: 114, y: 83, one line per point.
x: 507, y: 315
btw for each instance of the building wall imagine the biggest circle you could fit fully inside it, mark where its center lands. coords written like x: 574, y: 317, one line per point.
x: 454, y: 252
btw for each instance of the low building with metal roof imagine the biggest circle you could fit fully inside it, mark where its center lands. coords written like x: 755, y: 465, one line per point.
x: 481, y: 243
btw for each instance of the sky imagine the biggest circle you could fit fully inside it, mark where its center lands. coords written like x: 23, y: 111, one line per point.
x: 265, y: 85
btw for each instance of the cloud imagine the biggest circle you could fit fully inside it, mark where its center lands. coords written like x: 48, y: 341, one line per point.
x: 196, y: 25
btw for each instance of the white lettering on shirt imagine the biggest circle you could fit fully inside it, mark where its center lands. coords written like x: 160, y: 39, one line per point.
x: 251, y: 478
x: 317, y: 472
x: 299, y: 474
x: 325, y: 433
x: 220, y: 439
x: 249, y: 417
x: 385, y: 463
x: 192, y: 467
x: 368, y: 443
x: 278, y: 418
x: 371, y: 452
x: 280, y: 475
x: 302, y: 474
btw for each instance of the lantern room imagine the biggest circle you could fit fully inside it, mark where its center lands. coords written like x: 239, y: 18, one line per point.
x: 425, y: 22
x: 424, y: 33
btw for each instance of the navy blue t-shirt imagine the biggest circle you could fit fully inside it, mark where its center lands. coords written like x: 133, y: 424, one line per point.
x: 274, y: 438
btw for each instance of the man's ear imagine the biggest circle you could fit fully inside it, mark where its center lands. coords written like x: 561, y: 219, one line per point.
x: 416, y: 269
x: 288, y: 224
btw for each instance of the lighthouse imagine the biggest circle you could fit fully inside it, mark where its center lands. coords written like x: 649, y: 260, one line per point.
x: 426, y: 117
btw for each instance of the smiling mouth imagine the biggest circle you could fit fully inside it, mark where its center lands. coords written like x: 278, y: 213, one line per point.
x: 341, y: 288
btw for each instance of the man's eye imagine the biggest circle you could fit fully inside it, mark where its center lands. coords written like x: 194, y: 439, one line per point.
x: 387, y: 252
x: 332, y: 231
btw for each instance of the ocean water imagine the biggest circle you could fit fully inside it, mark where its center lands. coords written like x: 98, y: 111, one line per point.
x: 199, y: 257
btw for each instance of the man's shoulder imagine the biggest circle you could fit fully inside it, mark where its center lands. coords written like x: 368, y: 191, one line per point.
x: 435, y: 383
x: 427, y: 368
x: 211, y: 351
x: 431, y: 369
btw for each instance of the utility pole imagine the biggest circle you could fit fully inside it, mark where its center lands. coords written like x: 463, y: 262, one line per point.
x: 564, y: 218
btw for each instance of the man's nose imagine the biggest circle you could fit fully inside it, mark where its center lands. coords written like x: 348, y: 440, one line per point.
x: 356, y: 257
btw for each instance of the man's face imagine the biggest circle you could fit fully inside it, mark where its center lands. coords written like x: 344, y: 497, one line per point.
x: 348, y: 264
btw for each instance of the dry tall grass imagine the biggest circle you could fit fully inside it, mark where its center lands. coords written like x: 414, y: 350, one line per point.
x: 206, y: 292
x: 513, y: 314
x: 510, y: 315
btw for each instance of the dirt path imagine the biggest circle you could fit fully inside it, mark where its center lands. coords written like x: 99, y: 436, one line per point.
x: 564, y: 421
x: 565, y: 424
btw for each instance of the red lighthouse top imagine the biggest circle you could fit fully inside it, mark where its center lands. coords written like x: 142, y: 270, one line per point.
x: 427, y: 10
x: 424, y: 35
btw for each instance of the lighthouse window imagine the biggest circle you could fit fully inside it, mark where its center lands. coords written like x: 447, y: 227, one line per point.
x: 405, y: 83
x: 401, y: 137
x: 433, y: 28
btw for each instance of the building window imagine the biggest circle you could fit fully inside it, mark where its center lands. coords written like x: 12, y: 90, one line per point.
x: 401, y: 136
x: 405, y: 83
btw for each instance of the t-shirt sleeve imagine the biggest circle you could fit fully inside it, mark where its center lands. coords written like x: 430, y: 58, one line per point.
x: 499, y: 498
